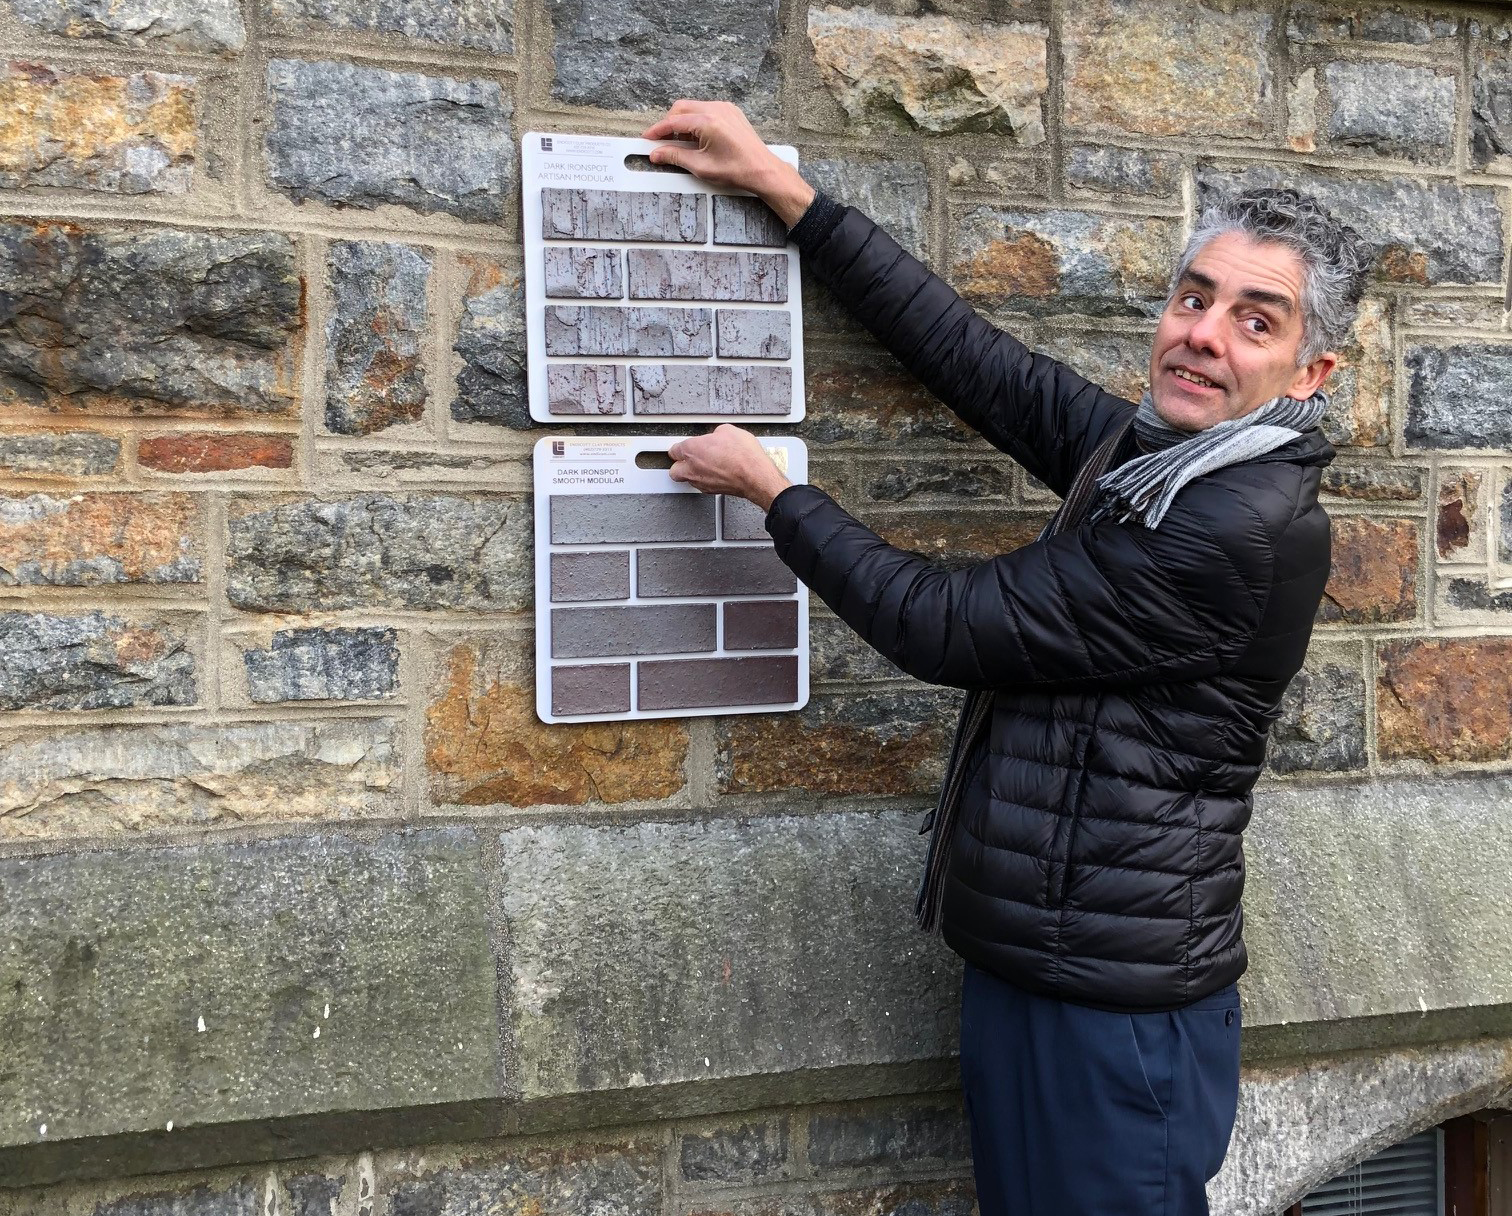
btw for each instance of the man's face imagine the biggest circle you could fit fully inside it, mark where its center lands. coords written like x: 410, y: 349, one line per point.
x: 1235, y: 321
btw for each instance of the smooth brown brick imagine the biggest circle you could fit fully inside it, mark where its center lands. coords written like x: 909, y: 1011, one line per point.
x: 1444, y: 699
x: 208, y: 452
x: 88, y: 540
x: 591, y: 633
x: 741, y: 519
x: 1375, y: 568
x: 761, y: 625
x: 598, y: 688
x: 706, y: 683
x: 485, y: 745
x: 736, y: 570
x: 590, y: 576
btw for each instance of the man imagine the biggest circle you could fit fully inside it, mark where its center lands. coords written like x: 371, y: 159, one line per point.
x: 1123, y: 670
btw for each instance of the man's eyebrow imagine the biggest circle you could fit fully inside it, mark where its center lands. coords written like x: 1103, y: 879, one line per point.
x: 1256, y: 295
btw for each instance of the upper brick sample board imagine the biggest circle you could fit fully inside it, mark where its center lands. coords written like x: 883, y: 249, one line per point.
x: 652, y: 296
x: 656, y: 601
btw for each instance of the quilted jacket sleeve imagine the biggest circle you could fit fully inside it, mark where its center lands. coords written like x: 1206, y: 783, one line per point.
x: 1034, y: 408
x: 1110, y: 604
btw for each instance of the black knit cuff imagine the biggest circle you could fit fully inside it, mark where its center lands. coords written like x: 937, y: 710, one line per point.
x: 815, y: 224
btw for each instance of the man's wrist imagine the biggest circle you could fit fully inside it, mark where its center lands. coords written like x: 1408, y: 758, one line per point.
x: 786, y: 193
x: 767, y: 489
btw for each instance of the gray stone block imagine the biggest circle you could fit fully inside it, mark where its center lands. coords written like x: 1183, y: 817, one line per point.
x: 482, y: 25
x: 670, y: 390
x: 600, y: 688
x: 1396, y: 109
x: 726, y: 570
x: 585, y: 388
x: 761, y: 625
x: 606, y: 330
x: 151, y: 321
x: 1322, y: 722
x: 491, y: 386
x: 364, y: 137
x: 754, y: 333
x: 590, y: 576
x: 739, y: 220
x: 743, y: 1153
x: 741, y: 519
x: 1457, y: 395
x: 583, y: 273
x: 644, y: 55
x: 923, y: 1132
x: 895, y: 193
x: 304, y: 959
x: 741, y: 389
x: 372, y: 551
x: 836, y: 652
x: 624, y: 215
x: 93, y: 661
x: 623, y: 937
x: 592, y: 633
x: 374, y: 374
x: 691, y: 274
x: 1116, y: 170
x: 1491, y: 97
x: 207, y: 26
x: 711, y: 683
x: 939, y: 481
x: 324, y: 665
x: 608, y: 519
x: 79, y: 454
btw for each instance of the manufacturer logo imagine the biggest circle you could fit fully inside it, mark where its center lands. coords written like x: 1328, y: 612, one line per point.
x: 559, y: 448
x: 545, y: 143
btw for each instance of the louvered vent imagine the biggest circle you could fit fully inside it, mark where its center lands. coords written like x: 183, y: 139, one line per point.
x: 1404, y: 1180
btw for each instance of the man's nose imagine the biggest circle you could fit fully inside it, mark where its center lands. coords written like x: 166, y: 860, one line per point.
x: 1206, y: 333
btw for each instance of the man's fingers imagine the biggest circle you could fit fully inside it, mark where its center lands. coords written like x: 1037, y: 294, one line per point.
x: 671, y: 125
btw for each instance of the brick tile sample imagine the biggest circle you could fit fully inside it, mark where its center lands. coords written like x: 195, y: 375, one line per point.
x: 583, y: 273
x: 647, y: 604
x: 742, y: 570
x: 627, y: 268
x: 739, y: 220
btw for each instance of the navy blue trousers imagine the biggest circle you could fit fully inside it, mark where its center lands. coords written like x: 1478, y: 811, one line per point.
x: 1079, y: 1112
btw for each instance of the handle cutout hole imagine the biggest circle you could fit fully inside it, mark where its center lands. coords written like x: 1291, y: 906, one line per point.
x: 652, y: 460
x: 644, y: 164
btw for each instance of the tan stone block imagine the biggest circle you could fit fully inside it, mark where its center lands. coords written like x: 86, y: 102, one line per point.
x: 1360, y: 387
x: 1302, y: 112
x: 1444, y: 699
x: 485, y: 745
x: 124, y: 134
x: 1460, y: 529
x: 958, y: 539
x: 86, y: 540
x: 1168, y: 67
x: 1375, y: 569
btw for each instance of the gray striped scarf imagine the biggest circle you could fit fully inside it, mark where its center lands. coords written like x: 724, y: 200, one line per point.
x: 1145, y: 487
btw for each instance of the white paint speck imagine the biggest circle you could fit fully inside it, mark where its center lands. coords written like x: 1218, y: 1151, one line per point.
x: 202, y: 1025
x: 706, y: 1061
x: 317, y: 1032
x: 170, y: 1125
x: 43, y: 1130
x: 328, y: 1010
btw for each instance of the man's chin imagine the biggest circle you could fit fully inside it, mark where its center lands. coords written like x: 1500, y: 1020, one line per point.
x: 1179, y: 414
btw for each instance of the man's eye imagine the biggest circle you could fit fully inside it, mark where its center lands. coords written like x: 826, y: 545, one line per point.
x: 1185, y: 298
x: 1262, y: 323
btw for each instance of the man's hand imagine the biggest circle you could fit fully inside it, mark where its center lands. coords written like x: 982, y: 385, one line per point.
x: 719, y: 145
x: 728, y: 461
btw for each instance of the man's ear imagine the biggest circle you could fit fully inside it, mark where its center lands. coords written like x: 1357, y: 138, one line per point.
x: 1310, y: 379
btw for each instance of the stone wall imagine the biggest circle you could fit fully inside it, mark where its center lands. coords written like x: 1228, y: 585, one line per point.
x: 288, y: 868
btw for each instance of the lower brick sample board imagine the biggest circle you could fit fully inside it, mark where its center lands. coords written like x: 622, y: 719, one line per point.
x: 652, y: 296
x: 654, y: 600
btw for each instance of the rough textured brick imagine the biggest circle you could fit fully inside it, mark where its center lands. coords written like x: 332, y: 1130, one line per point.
x: 741, y: 1153
x: 596, y: 688
x: 93, y: 661
x: 59, y: 454
x: 374, y: 374
x: 132, y: 778
x: 1120, y: 363
x: 210, y: 26
x: 605, y: 519
x: 607, y: 330
x: 1313, y: 21
x: 413, y: 551
x: 267, y: 942
x: 960, y: 539
x: 1475, y: 312
x: 1168, y: 68
x: 888, y: 1137
x: 751, y: 390
x: 214, y: 452
x: 590, y: 576
x: 129, y: 134
x: 1444, y: 700
x: 895, y: 193
x: 491, y: 385
x: 591, y: 633
x: 1374, y: 575
x: 739, y: 220
x: 706, y: 683
x: 937, y: 481
x: 624, y: 215
x: 582, y: 273
x: 89, y: 540
x: 1372, y: 483
x: 1424, y: 232
x: 761, y: 625
x: 741, y: 519
x: 1322, y: 722
x: 678, y: 389
x: 836, y: 652
x: 1457, y: 395
x: 1491, y: 97
x: 1113, y: 170
x: 753, y: 333
x: 644, y: 55
x: 1063, y: 261
x: 1363, y: 382
x: 1460, y: 527
x: 933, y: 73
x: 361, y: 136
x: 1395, y: 109
x: 684, y: 274
x: 483, y: 25
x: 585, y: 388
x: 152, y: 321
x: 731, y: 389
x: 742, y: 570
x: 484, y: 744
x: 857, y: 743
x: 324, y: 665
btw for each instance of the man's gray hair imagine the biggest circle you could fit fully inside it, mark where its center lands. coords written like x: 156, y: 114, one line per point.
x: 1335, y: 258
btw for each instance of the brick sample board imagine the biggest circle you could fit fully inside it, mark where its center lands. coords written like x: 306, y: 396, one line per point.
x: 654, y: 600
x: 652, y: 296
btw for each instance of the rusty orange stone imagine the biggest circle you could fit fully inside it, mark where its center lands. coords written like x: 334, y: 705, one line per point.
x: 1444, y: 700
x: 208, y: 452
x: 484, y: 744
x: 85, y: 540
x: 956, y: 537
x: 1375, y: 569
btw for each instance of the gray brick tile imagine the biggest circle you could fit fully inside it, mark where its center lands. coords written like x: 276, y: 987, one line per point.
x: 690, y: 274
x: 593, y: 633
x: 614, y: 215
x: 606, y: 330
x: 589, y: 519
x: 600, y: 688
x: 583, y: 273
x: 740, y: 519
x: 754, y: 333
x: 590, y: 576
x: 704, y: 683
x: 761, y: 625
x: 751, y: 389
x: 746, y: 221
x: 722, y: 389
x: 742, y: 570
x: 585, y: 388
x: 670, y: 390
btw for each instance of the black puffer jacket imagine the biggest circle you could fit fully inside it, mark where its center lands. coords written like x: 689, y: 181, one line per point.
x: 1097, y: 854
